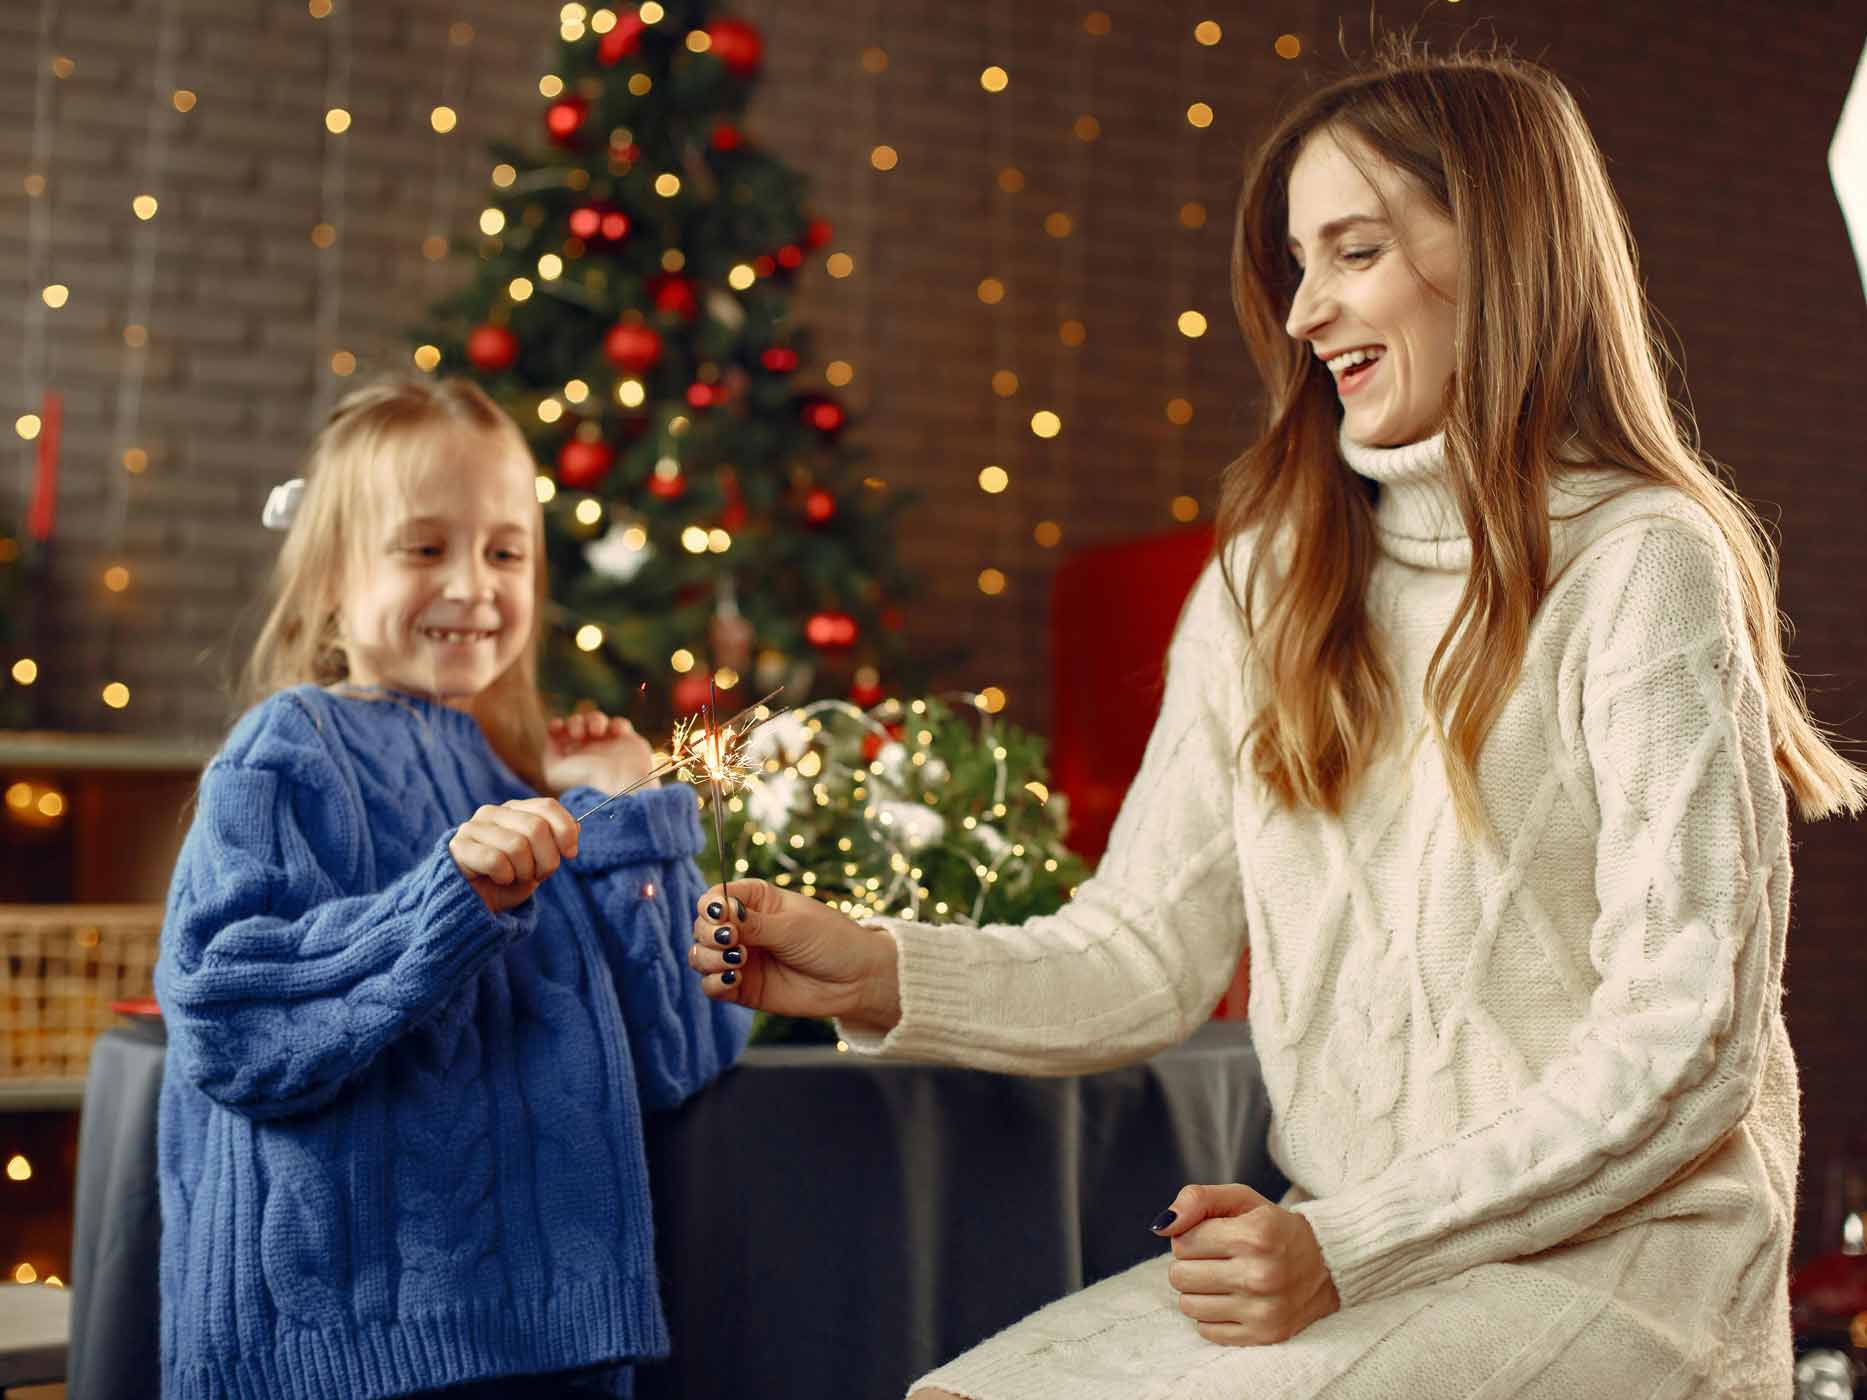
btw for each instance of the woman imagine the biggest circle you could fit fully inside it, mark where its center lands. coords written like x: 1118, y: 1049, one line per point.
x: 1478, y: 729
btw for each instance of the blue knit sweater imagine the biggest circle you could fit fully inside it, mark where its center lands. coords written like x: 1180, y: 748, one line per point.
x: 401, y: 1139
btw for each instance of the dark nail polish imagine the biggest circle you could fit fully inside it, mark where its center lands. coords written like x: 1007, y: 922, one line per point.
x: 740, y: 906
x: 1163, y: 1220
x: 735, y: 956
x: 728, y: 977
x: 716, y: 911
x: 722, y: 935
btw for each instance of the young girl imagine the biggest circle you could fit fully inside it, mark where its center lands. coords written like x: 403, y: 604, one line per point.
x: 1479, y: 734
x: 415, y: 1012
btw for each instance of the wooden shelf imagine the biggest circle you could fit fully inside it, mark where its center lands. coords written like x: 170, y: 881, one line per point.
x: 123, y: 753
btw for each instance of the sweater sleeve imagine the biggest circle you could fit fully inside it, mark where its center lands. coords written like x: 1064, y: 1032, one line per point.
x: 1140, y: 955
x: 636, y: 860
x: 1691, y: 881
x: 279, y: 980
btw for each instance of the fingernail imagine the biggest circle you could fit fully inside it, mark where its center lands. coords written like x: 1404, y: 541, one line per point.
x: 1163, y: 1220
x: 722, y: 935
x: 728, y: 977
x: 735, y: 956
x: 716, y: 911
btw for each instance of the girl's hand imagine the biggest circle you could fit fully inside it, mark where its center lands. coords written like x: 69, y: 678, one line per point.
x: 507, y: 851
x: 793, y: 955
x: 591, y: 749
x: 1248, y: 1272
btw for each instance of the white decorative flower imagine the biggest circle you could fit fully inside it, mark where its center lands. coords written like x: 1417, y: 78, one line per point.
x: 993, y: 840
x: 771, y: 800
x: 783, y: 737
x: 894, y: 760
x: 934, y: 772
x: 615, y: 556
x: 912, y: 824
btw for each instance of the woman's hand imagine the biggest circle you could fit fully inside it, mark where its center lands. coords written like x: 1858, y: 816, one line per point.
x: 1248, y: 1272
x: 507, y: 851
x: 792, y: 955
x: 591, y: 749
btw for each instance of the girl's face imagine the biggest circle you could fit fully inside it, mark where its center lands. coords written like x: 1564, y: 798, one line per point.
x: 442, y: 602
x: 1358, y: 291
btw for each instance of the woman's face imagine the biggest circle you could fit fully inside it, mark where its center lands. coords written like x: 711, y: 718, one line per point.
x: 1358, y: 291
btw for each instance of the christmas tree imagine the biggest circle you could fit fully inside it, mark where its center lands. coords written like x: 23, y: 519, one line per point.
x: 706, y: 515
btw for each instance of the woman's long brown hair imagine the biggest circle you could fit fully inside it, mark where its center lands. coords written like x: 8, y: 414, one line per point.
x: 1556, y: 344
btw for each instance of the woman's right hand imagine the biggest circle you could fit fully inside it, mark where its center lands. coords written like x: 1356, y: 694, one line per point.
x: 507, y: 851
x: 794, y: 956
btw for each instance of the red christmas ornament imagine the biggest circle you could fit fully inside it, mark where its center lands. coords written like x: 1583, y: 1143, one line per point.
x: 594, y: 221
x: 673, y: 293
x: 691, y: 692
x: 830, y: 631
x: 704, y: 395
x: 623, y: 40
x: 733, y: 513
x: 737, y: 45
x: 819, y: 506
x: 817, y: 233
x: 564, y: 117
x: 825, y: 415
x: 779, y: 359
x: 764, y: 265
x: 632, y: 347
x: 893, y: 618
x: 492, y: 348
x: 582, y: 465
x: 873, y: 743
x: 790, y: 256
x: 667, y: 488
x: 727, y: 137
x: 866, y: 696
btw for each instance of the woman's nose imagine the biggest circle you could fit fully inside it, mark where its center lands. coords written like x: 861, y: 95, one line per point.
x: 1309, y: 312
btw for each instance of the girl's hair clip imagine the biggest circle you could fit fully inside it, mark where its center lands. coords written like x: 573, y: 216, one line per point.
x: 282, y: 504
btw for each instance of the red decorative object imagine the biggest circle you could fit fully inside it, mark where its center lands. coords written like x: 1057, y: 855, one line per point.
x: 831, y: 631
x: 873, y: 743
x: 790, y: 256
x: 737, y: 45
x: 764, y: 265
x: 492, y: 348
x: 733, y: 513
x: 594, y: 221
x: 43, y: 512
x: 819, y: 506
x: 866, y: 696
x: 673, y: 293
x: 825, y: 415
x: 582, y: 465
x: 632, y: 347
x: 667, y: 488
x: 817, y: 233
x: 893, y: 618
x: 624, y: 40
x: 704, y: 395
x: 727, y: 137
x: 779, y: 359
x: 564, y: 117
x: 691, y: 692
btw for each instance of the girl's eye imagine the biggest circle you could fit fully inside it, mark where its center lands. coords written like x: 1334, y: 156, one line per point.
x: 423, y: 551
x: 508, y: 556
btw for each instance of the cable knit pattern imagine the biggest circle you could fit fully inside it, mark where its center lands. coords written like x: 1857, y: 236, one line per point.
x: 400, y: 1136
x: 1533, y: 1089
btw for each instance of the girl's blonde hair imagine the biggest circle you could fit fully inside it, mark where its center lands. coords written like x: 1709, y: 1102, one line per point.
x: 374, y: 444
x: 1555, y: 340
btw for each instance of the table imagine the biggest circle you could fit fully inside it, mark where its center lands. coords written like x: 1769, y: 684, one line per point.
x: 827, y: 1225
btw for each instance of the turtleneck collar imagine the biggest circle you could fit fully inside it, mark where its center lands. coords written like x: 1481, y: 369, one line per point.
x: 1417, y: 514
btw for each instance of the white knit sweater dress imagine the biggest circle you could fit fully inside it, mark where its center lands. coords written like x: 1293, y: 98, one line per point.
x: 1534, y: 1091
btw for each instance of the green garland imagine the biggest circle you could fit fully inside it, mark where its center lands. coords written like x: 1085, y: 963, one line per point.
x: 917, y: 809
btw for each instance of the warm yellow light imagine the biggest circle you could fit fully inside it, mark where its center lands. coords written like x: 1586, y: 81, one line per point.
x: 1072, y: 333
x: 673, y: 260
x: 991, y: 700
x: 874, y: 60
x: 323, y: 235
x: 25, y: 1273
x: 27, y: 425
x: 991, y: 291
x: 1047, y: 534
x: 337, y: 121
x: 839, y: 265
x: 550, y: 85
x: 434, y: 247
x: 1179, y: 411
x: 1199, y: 114
x: 991, y: 582
x: 519, y: 288
x: 694, y: 539
x: 603, y: 21
x: 1096, y: 22
x: 635, y: 537
x: 994, y: 79
x: 1288, y: 46
x: 54, y: 1281
x: 116, y: 578
x: 630, y: 393
x: 576, y: 391
x: 640, y: 84
x: 549, y: 410
x: 589, y: 512
x: 741, y: 276
x: 443, y: 119
x: 19, y: 796
x: 1193, y: 214
x: 1011, y: 179
x: 838, y: 373
x: 320, y: 9
x: 682, y: 661
x: 1087, y: 128
x: 698, y: 41
x: 589, y: 637
x: 1057, y: 224
x: 56, y: 295
x: 184, y: 100
x: 652, y: 13
x: 492, y: 221
x: 63, y: 67
x: 1207, y: 32
x: 546, y: 488
x: 667, y: 184
x: 135, y: 336
x: 135, y: 461
x: 726, y: 678
x: 34, y: 185
x: 116, y: 695
x: 1004, y: 383
x: 1046, y: 424
x: 884, y: 158
x: 343, y: 363
x: 52, y: 804
x: 572, y: 13
x: 25, y: 670
x: 570, y: 33
x: 993, y: 480
x: 504, y: 175
x: 718, y: 541
x: 1192, y: 325
x: 427, y: 357
x: 18, y: 1168
x: 144, y: 206
x: 1185, y: 509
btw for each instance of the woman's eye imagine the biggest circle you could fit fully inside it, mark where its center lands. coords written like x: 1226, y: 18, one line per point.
x: 1360, y: 254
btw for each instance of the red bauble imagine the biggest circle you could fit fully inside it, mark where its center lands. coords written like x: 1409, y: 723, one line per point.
x: 817, y: 233
x: 779, y: 359
x: 736, y: 44
x: 564, y: 117
x: 492, y: 348
x: 866, y: 696
x: 582, y: 465
x: 830, y: 631
x: 727, y: 137
x: 825, y: 415
x: 764, y: 265
x: 704, y: 395
x: 667, y: 488
x: 893, y: 619
x: 819, y: 506
x: 790, y: 256
x: 623, y: 40
x: 873, y: 743
x: 673, y: 293
x: 691, y: 692
x: 632, y: 347
x: 592, y: 221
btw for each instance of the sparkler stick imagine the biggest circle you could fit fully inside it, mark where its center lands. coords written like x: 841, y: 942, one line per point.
x: 715, y: 755
x: 721, y: 765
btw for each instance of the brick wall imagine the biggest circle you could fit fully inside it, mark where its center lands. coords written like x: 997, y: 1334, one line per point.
x: 1715, y: 117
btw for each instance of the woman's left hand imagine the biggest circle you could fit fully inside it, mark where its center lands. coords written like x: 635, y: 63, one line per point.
x: 592, y: 749
x: 1247, y: 1271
